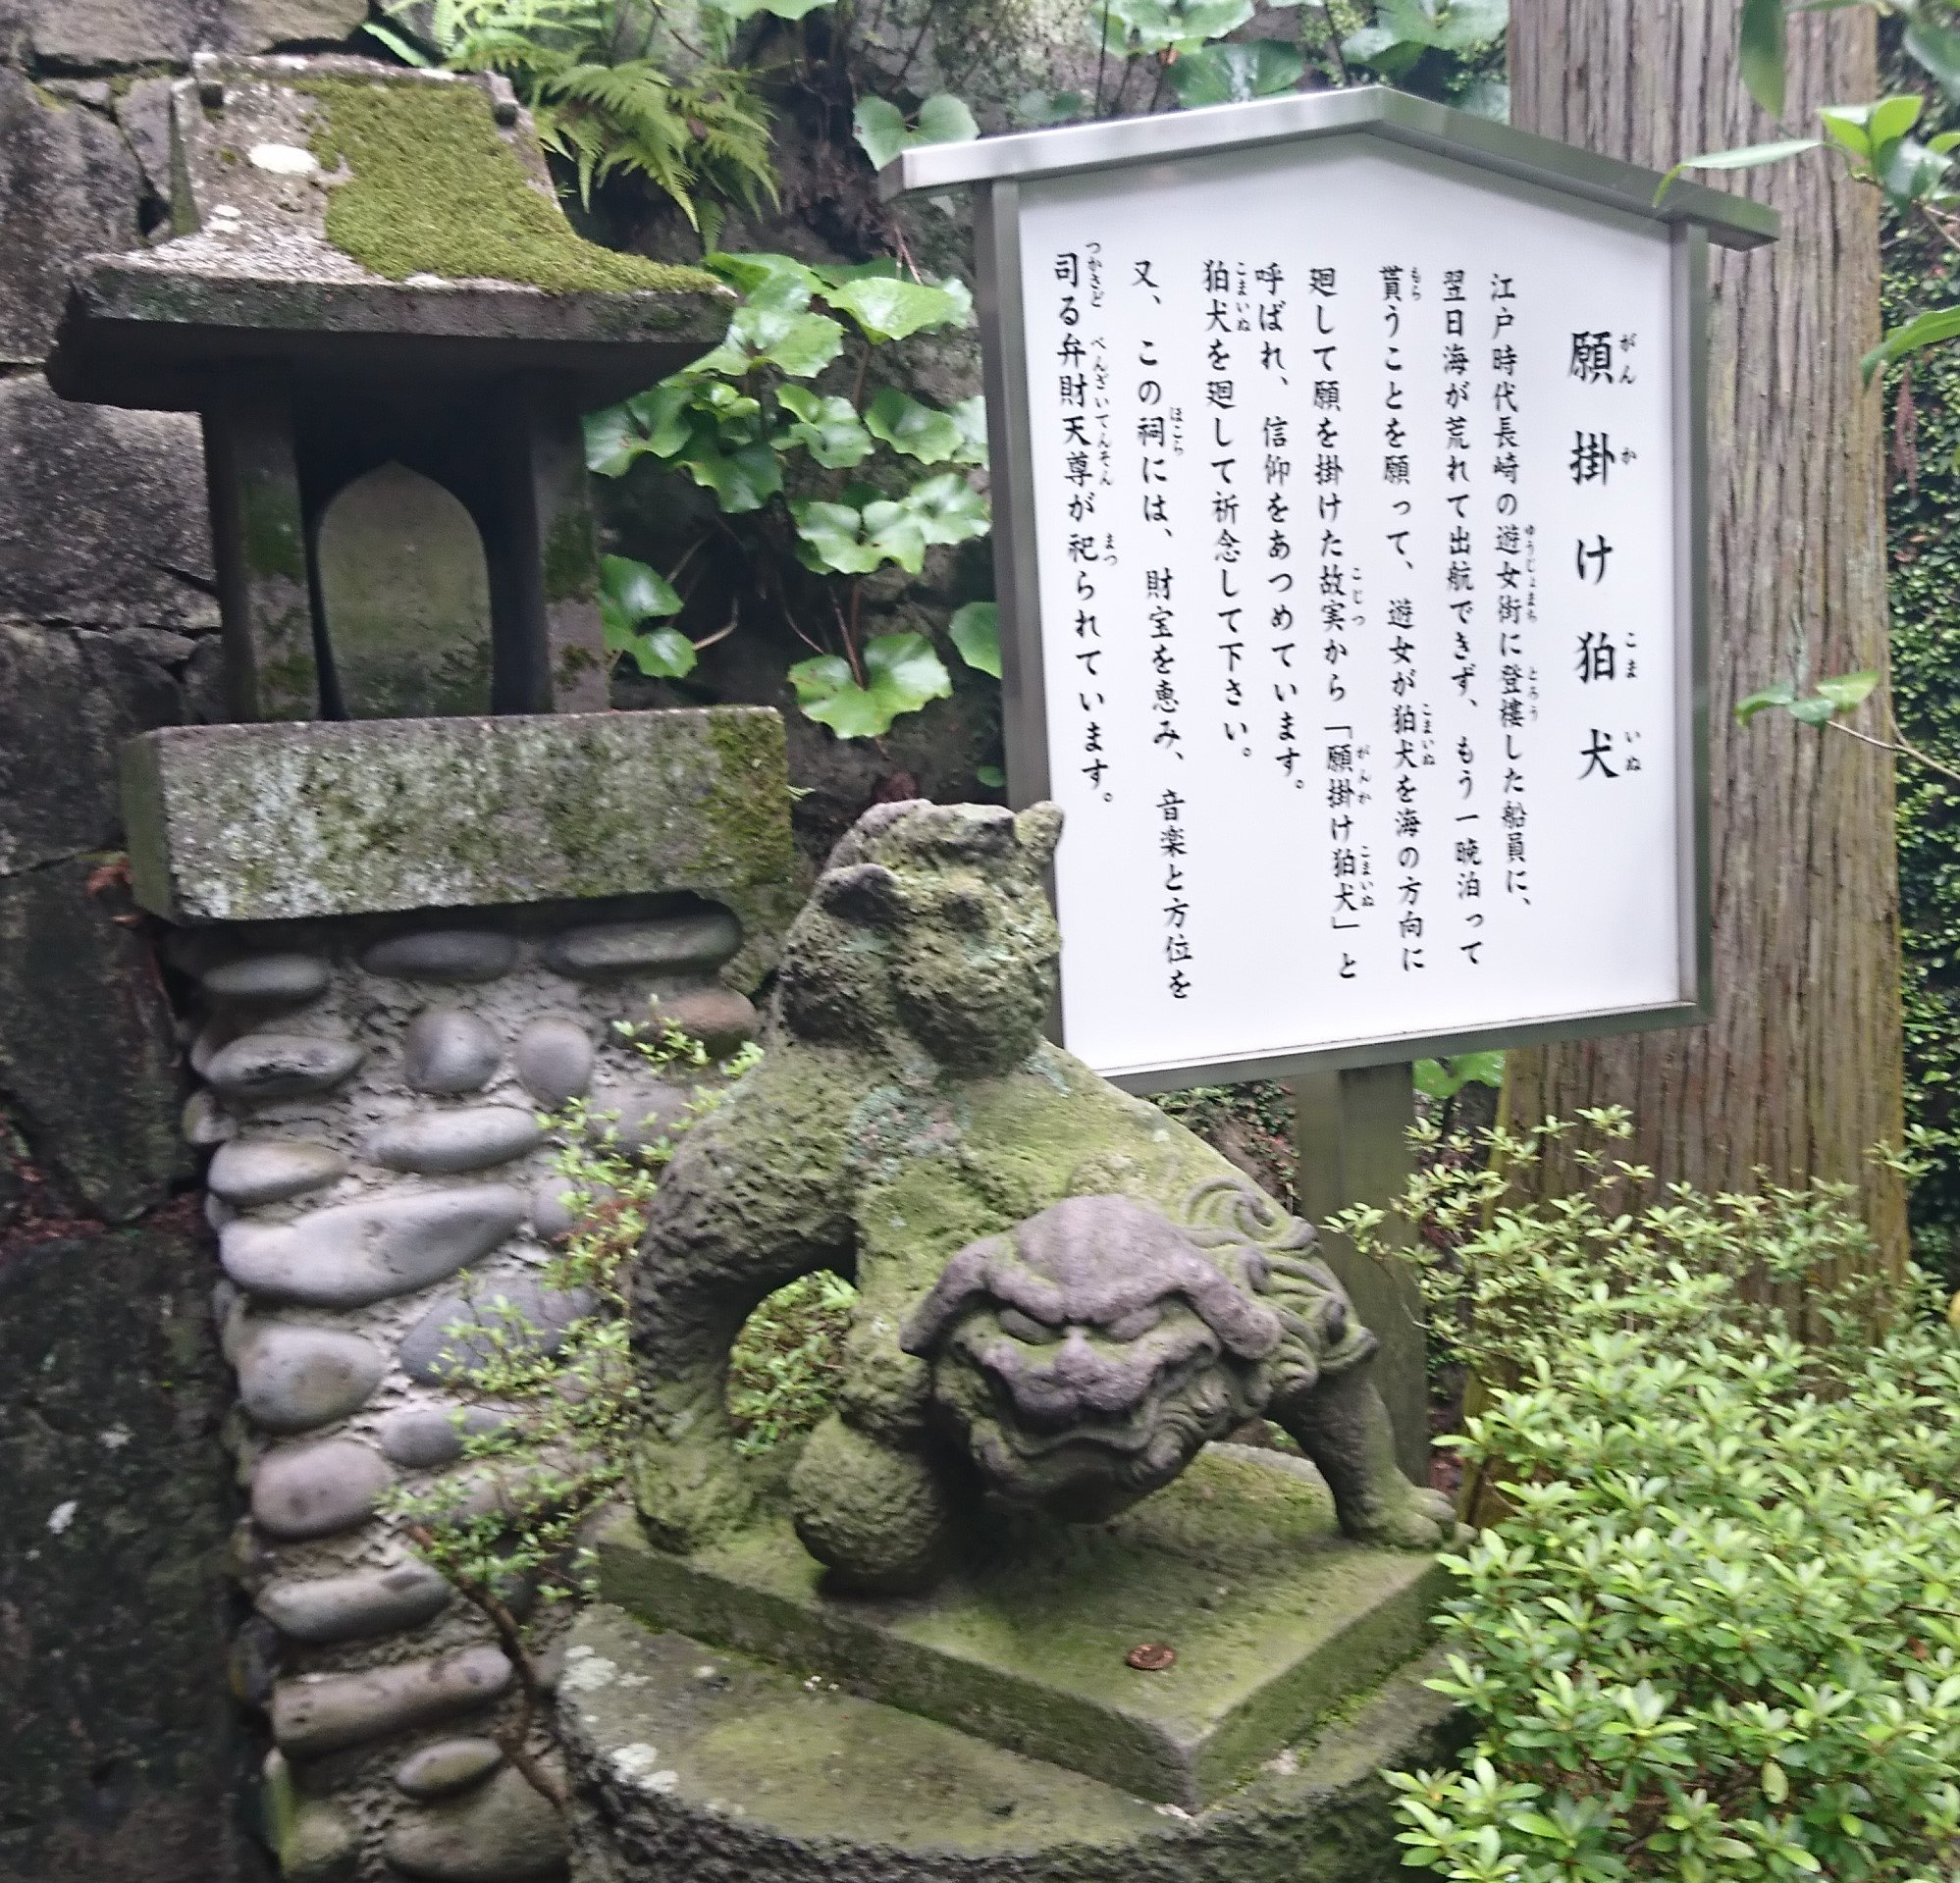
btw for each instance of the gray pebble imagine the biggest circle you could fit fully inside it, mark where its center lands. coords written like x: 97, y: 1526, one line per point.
x: 354, y: 1253
x: 205, y: 1122
x: 249, y: 1172
x: 640, y: 1113
x: 316, y: 1489
x: 444, y: 1142
x: 502, y: 1832
x: 322, y: 1846
x: 264, y: 1066
x: 558, y: 1205
x: 456, y: 1334
x: 353, y: 1607
x: 293, y: 1378
x: 671, y: 945
x: 268, y: 977
x: 423, y: 1437
x: 322, y: 1714
x: 446, y: 1050
x: 553, y: 1058
x: 443, y: 953
x: 449, y: 1765
x: 716, y: 1016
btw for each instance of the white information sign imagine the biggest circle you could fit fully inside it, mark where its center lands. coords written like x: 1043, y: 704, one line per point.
x: 1357, y: 636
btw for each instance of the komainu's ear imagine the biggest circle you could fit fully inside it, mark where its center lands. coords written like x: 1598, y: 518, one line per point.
x: 1039, y: 829
x: 867, y: 894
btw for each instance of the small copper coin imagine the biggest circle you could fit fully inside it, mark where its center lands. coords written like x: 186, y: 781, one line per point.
x: 1152, y: 1656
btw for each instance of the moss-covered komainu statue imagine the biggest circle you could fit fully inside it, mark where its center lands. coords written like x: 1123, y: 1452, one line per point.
x: 1063, y: 1294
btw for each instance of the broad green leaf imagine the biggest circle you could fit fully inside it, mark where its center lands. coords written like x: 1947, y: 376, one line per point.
x: 828, y: 427
x: 774, y: 277
x: 661, y: 654
x: 1748, y: 157
x: 614, y: 444
x: 632, y: 593
x: 842, y: 539
x: 901, y: 674
x: 990, y: 776
x: 1368, y: 45
x: 1910, y: 172
x: 1487, y: 98
x: 976, y: 632
x: 799, y: 343
x: 1201, y: 19
x: 1814, y: 711
x: 945, y: 119
x: 743, y: 480
x: 894, y: 309
x: 1782, y: 694
x: 1444, y: 1078
x: 1231, y: 74
x: 1851, y: 126
x: 918, y: 430
x: 1035, y: 109
x: 948, y: 509
x: 880, y: 129
x: 781, y: 9
x: 1891, y: 117
x: 1921, y: 331
x: 1463, y: 26
x: 1761, y: 53
x: 1937, y: 49
x: 663, y: 414
x: 969, y: 415
x: 1847, y: 689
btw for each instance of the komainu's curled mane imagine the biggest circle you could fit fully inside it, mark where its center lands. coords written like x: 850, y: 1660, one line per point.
x: 1063, y: 1295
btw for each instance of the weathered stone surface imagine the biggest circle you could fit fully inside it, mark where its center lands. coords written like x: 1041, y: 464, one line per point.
x: 118, y: 1741
x: 423, y: 1437
x: 443, y: 953
x: 351, y: 1607
x: 407, y: 595
x: 716, y: 1016
x: 321, y: 1713
x: 205, y: 1122
x: 644, y: 1110
x: 455, y: 1334
x: 143, y: 112
x: 260, y: 26
x: 322, y: 1844
x: 446, y: 1142
x: 68, y: 699
x: 117, y: 32
x: 102, y: 513
x: 270, y: 1065
x: 446, y: 1050
x: 249, y: 1172
x: 682, y: 944
x: 293, y: 1377
x: 68, y: 187
x: 553, y: 1058
x: 503, y: 1832
x: 316, y: 1489
x: 838, y: 1789
x: 449, y: 1765
x: 248, y: 822
x: 88, y: 1059
x: 354, y: 1253
x: 280, y: 977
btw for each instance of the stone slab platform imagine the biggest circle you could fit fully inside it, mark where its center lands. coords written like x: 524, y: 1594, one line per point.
x: 692, y: 1761
x: 1274, y: 1618
x: 276, y: 821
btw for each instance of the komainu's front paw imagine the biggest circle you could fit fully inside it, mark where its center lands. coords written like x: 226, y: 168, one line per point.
x: 688, y: 1492
x: 1405, y: 1517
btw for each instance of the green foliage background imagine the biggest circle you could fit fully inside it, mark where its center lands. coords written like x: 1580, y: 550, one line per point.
x: 1923, y: 532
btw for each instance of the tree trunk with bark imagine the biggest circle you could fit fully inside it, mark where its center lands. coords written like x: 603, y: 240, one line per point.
x: 1800, y: 1072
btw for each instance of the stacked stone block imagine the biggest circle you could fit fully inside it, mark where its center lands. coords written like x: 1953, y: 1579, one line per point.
x: 372, y: 1093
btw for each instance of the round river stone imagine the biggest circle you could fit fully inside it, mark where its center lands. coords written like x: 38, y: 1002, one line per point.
x: 353, y: 1607
x: 249, y: 1172
x: 553, y: 1058
x: 446, y: 1050
x: 268, y: 977
x: 670, y: 945
x: 462, y: 1332
x: 267, y: 1066
x: 316, y: 1489
x: 443, y: 953
x: 292, y: 1377
x: 425, y: 1438
x: 449, y: 1765
x: 446, y: 1142
x: 502, y: 1832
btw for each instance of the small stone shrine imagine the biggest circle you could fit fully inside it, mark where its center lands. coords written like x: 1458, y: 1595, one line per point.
x: 1012, y: 1611
x: 401, y: 930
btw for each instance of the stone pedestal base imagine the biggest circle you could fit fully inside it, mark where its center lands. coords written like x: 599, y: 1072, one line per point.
x: 1153, y: 1694
x: 694, y: 1762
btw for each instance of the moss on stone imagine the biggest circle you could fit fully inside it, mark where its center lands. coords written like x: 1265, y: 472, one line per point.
x: 750, y: 833
x: 571, y: 557
x: 434, y: 189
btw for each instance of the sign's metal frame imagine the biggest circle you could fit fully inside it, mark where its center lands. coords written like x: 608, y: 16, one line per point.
x: 1695, y: 217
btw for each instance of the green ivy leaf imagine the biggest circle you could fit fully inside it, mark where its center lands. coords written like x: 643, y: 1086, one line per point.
x: 1782, y: 694
x: 763, y: 275
x: 1846, y: 691
x: 945, y: 119
x: 614, y: 444
x: 631, y: 593
x: 1937, y: 48
x: 970, y: 416
x: 1231, y: 74
x: 1761, y: 53
x: 743, y: 480
x: 800, y: 344
x: 880, y: 128
x: 976, y: 632
x: 888, y: 310
x: 948, y: 509
x: 846, y: 538
x: 1037, y: 109
x: 828, y: 427
x: 1921, y: 331
x: 739, y: 9
x: 661, y: 654
x: 883, y: 131
x: 907, y: 425
x: 1442, y: 1079
x: 901, y: 674
x: 1200, y: 20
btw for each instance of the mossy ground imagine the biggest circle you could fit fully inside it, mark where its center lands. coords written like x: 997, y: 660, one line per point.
x: 434, y: 189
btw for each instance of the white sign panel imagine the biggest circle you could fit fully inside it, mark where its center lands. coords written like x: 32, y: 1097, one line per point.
x: 1358, y: 625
